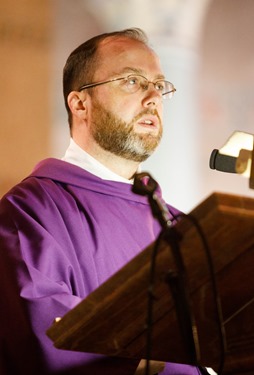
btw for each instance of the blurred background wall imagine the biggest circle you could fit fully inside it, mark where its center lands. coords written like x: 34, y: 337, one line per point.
x: 206, y: 50
x: 25, y: 75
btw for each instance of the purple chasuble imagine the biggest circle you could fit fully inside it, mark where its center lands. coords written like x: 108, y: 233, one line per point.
x: 63, y: 232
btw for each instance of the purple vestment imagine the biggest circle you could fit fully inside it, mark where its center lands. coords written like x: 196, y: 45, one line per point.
x: 64, y: 231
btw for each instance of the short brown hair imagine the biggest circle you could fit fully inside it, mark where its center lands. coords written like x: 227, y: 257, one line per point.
x: 81, y: 64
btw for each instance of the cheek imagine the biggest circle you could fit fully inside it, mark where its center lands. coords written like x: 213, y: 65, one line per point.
x: 124, y: 109
x: 160, y: 113
x: 114, y: 103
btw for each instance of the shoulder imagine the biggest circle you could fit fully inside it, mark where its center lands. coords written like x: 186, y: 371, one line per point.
x: 38, y: 191
x: 48, y: 179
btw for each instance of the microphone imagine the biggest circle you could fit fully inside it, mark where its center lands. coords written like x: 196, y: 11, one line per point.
x: 223, y: 163
x: 235, y: 156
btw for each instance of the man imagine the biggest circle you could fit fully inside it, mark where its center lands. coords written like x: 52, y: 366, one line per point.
x: 73, y: 223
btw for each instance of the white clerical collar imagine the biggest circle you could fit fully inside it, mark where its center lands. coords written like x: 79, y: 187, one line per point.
x: 77, y: 156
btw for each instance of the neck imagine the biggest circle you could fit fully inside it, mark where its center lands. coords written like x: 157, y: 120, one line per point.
x: 121, y: 166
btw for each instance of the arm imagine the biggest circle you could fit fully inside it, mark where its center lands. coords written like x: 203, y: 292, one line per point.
x: 40, y: 258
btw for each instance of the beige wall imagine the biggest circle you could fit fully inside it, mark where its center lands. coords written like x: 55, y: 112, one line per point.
x: 226, y: 79
x: 24, y: 96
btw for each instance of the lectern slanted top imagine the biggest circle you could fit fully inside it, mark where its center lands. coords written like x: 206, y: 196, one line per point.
x: 112, y: 319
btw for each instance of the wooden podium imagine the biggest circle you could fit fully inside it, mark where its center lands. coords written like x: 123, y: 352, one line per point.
x: 112, y: 319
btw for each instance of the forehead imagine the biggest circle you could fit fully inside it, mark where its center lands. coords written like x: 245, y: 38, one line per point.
x: 115, y: 54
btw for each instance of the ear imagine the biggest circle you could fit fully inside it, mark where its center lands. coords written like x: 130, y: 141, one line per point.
x: 77, y: 104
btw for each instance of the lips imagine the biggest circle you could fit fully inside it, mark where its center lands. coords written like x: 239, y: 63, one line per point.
x: 149, y: 120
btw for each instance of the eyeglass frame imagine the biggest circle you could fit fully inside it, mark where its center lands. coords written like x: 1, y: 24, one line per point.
x: 90, y: 85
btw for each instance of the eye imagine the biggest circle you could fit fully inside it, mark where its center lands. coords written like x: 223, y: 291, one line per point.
x: 133, y: 81
x: 160, y: 86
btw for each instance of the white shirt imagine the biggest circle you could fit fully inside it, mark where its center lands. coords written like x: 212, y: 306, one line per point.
x: 77, y: 156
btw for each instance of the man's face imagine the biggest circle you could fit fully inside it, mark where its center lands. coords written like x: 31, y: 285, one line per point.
x: 126, y: 124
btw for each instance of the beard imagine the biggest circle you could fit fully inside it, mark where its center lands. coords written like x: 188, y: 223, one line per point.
x: 119, y: 137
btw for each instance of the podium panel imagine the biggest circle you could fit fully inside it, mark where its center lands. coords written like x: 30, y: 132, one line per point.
x: 112, y: 319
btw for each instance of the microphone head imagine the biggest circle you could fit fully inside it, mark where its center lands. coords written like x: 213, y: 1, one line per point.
x: 223, y: 163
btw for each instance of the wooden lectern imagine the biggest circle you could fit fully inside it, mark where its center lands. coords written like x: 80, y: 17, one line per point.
x: 112, y: 319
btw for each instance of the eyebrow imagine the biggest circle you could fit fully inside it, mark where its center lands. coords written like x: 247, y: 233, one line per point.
x: 128, y: 69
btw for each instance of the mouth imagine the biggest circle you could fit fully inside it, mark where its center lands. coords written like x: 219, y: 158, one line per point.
x: 149, y: 122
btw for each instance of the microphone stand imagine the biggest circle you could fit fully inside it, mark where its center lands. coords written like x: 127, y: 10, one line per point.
x: 144, y: 184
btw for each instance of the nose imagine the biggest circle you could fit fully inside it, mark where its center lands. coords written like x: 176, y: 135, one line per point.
x: 152, y: 98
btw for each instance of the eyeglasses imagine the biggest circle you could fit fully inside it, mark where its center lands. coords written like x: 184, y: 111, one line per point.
x: 133, y: 83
